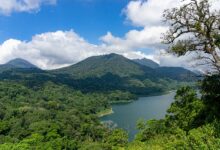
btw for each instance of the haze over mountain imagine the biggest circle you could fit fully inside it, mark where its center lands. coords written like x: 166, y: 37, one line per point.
x: 176, y: 73
x: 147, y: 62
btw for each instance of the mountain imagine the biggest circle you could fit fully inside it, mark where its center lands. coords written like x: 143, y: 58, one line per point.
x: 176, y: 73
x: 17, y: 63
x: 20, y: 63
x: 147, y: 62
x: 102, y: 73
x: 98, y: 66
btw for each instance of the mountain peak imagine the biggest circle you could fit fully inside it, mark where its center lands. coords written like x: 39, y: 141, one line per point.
x: 97, y: 66
x: 20, y: 63
x: 112, y: 55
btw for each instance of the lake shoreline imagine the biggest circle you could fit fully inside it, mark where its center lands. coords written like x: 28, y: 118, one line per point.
x: 156, y: 94
x: 105, y: 112
x: 125, y: 116
x: 122, y: 101
x: 110, y: 111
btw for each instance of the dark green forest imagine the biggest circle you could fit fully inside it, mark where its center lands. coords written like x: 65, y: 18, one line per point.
x: 52, y: 117
x: 58, y: 117
x: 53, y: 110
x: 60, y: 109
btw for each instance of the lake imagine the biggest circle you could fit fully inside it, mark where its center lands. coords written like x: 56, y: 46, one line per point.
x: 126, y: 115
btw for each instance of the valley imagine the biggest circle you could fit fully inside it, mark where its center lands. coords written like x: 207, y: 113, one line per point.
x: 105, y: 73
x: 109, y: 75
x: 68, y: 102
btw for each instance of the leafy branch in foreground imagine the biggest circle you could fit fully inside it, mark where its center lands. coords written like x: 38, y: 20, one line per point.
x: 194, y: 27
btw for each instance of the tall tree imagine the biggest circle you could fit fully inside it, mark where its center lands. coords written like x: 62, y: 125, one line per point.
x: 194, y: 26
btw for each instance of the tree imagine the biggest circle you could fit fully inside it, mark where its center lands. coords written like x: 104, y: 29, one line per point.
x: 194, y: 26
x: 185, y: 111
x: 118, y: 138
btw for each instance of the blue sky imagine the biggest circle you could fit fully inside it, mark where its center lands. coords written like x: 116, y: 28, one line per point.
x: 57, y: 33
x: 89, y: 18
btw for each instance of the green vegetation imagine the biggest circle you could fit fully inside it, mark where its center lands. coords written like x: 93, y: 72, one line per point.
x: 190, y: 123
x: 55, y: 116
x: 60, y: 109
x: 41, y: 110
x: 17, y: 63
x: 52, y: 117
x: 47, y: 110
x: 102, y: 74
x: 194, y: 26
x: 124, y: 68
x: 98, y: 66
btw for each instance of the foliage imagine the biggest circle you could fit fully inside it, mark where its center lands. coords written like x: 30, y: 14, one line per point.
x: 191, y: 122
x: 98, y: 66
x: 194, y: 26
x: 55, y: 116
x: 42, y: 110
x: 52, y: 117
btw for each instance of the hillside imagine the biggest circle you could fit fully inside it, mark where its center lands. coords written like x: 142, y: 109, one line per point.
x: 147, y: 62
x: 98, y: 66
x: 17, y: 63
x: 176, y: 73
x: 104, y: 73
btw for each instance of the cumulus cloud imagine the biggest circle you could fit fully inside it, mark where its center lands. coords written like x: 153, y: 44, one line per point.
x: 57, y: 49
x: 9, y: 6
x: 149, y: 37
x: 147, y: 14
x: 61, y: 48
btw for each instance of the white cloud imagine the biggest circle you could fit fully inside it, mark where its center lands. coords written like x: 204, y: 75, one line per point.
x: 215, y: 4
x: 148, y: 13
x: 9, y: 6
x: 149, y: 37
x: 61, y: 48
x: 57, y: 49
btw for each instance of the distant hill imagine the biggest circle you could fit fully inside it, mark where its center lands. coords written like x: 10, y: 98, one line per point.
x: 17, y: 63
x: 20, y: 63
x: 101, y: 74
x: 176, y: 73
x: 98, y: 66
x: 147, y: 62
x: 115, y: 64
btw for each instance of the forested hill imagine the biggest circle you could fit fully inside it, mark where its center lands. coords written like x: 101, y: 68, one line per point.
x: 17, y: 63
x: 98, y: 66
x: 115, y: 64
x: 103, y: 73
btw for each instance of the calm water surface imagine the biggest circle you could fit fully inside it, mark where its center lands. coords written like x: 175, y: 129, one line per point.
x: 126, y: 115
